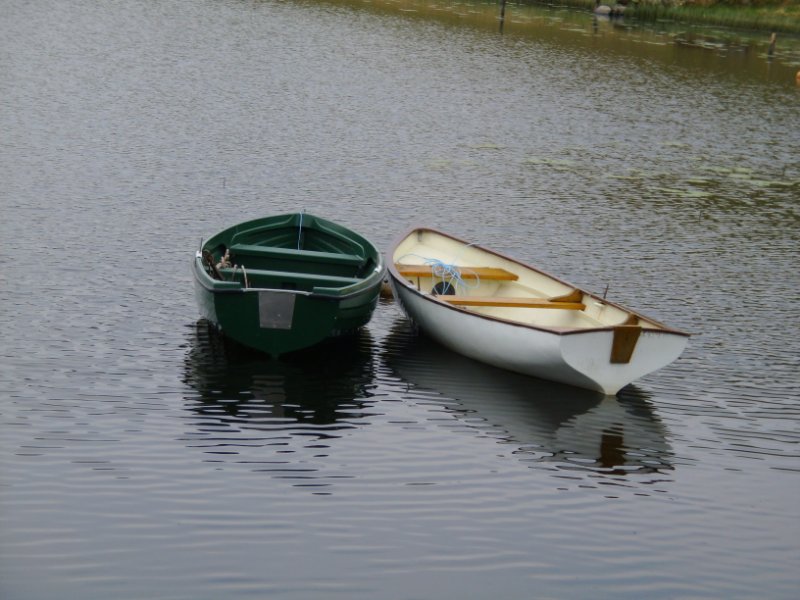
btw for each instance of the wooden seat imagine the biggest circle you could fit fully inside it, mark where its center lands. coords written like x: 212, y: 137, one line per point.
x: 487, y: 273
x: 291, y: 254
x: 570, y: 301
x: 510, y: 302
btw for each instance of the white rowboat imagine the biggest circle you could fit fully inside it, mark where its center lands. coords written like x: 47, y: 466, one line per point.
x: 500, y: 311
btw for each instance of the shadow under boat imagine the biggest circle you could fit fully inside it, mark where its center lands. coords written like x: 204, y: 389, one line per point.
x: 324, y: 388
x: 545, y: 422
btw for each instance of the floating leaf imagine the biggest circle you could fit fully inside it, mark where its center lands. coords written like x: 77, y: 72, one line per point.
x: 783, y: 184
x: 772, y: 183
x: 695, y: 194
x: 442, y: 163
x: 723, y: 170
x: 551, y: 162
x: 625, y: 177
x: 683, y: 193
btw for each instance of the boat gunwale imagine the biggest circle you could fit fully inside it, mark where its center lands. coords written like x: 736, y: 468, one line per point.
x: 400, y: 280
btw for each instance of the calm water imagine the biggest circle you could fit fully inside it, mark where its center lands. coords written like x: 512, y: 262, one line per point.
x: 143, y: 457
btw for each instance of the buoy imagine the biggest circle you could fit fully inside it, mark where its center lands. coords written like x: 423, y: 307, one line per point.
x: 386, y: 290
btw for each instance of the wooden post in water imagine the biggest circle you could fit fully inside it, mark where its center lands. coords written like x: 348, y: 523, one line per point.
x: 502, y: 14
x: 772, y: 40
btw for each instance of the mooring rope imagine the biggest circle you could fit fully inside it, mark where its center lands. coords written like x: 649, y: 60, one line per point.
x: 300, y: 228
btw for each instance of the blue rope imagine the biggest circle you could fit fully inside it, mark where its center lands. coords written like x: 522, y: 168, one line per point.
x: 449, y: 273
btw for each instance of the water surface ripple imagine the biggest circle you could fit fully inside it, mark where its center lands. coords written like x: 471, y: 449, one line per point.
x: 141, y: 455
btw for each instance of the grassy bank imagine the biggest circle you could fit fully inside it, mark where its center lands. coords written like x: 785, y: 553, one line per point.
x: 757, y: 15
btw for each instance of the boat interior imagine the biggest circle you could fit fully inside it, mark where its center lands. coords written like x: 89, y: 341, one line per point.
x: 292, y: 255
x: 485, y: 283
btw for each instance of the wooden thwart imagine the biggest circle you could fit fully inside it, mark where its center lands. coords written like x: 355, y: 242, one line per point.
x: 488, y: 273
x: 512, y: 302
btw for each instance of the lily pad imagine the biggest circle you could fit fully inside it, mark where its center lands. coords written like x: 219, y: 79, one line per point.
x: 721, y: 170
x: 551, y: 162
x: 700, y: 181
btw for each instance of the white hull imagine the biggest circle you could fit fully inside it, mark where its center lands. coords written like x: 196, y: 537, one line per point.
x: 574, y: 349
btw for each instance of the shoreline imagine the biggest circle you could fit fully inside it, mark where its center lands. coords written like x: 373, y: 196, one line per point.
x: 772, y: 17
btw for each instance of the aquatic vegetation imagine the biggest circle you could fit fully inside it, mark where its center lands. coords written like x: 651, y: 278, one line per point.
x: 553, y: 163
x: 486, y: 146
x: 700, y: 181
x: 682, y: 192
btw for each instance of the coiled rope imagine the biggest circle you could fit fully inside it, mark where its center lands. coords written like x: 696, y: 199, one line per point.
x: 449, y: 273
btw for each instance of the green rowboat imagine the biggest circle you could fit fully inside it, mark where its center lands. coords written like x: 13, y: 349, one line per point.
x: 284, y: 283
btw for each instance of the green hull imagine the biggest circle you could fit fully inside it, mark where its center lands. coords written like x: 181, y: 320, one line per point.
x: 289, y: 282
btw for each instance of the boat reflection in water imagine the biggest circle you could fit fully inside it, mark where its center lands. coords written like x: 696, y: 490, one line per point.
x: 314, y: 394
x: 565, y: 428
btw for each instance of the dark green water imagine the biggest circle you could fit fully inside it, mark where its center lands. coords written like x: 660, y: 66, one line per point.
x: 142, y: 457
